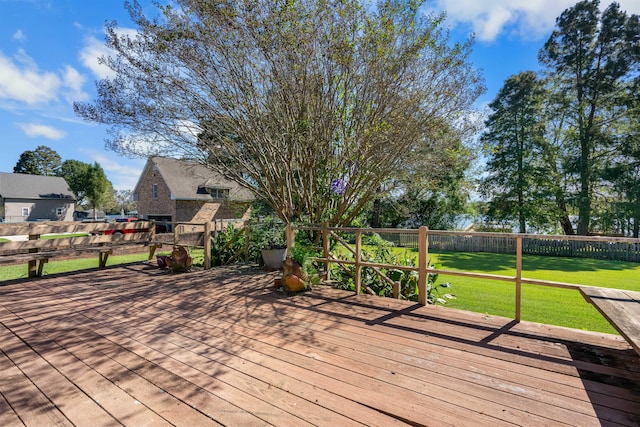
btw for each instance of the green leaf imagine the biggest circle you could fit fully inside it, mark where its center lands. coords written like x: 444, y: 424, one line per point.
x: 395, y: 275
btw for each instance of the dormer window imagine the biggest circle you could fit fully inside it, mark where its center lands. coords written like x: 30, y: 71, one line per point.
x: 214, y: 192
x: 218, y: 193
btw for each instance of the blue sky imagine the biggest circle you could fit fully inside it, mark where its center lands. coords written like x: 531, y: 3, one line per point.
x: 49, y: 53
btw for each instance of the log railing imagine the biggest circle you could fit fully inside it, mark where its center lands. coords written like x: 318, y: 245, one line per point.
x: 423, y: 268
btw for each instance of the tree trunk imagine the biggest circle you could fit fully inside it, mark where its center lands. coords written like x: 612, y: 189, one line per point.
x: 636, y: 219
x: 375, y: 214
x: 521, y: 214
x: 584, y: 196
x: 563, y: 217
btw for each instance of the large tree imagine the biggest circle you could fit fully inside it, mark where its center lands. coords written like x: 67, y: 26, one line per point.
x: 41, y: 161
x: 98, y: 189
x: 313, y: 105
x: 89, y: 184
x: 124, y: 201
x: 591, y: 60
x: 75, y: 173
x: 27, y: 164
x: 512, y: 146
x: 431, y: 190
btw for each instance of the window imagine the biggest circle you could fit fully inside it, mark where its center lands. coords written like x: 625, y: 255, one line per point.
x: 154, y: 191
x: 215, y: 193
x: 59, y: 211
x: 218, y: 193
x: 25, y: 211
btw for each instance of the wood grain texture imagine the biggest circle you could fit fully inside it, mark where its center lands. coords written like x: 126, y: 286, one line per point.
x: 136, y: 345
x: 621, y: 308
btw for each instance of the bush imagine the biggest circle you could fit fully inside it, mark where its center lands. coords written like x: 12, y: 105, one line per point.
x: 226, y: 245
x: 268, y: 234
x: 304, y: 253
x: 408, y: 279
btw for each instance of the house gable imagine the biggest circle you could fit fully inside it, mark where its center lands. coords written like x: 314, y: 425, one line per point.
x: 186, y: 191
x: 34, y: 197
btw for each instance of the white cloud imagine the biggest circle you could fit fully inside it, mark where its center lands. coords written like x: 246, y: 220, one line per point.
x: 19, y: 35
x: 34, y: 130
x: 22, y: 81
x: 73, y: 82
x: 529, y: 19
x: 90, y: 54
x: 95, y: 49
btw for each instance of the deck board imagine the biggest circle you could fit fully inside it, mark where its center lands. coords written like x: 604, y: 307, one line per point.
x: 621, y: 308
x: 136, y: 345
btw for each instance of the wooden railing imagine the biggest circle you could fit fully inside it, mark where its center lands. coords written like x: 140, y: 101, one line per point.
x: 200, y: 235
x: 423, y: 268
x: 103, y: 237
x: 71, y: 239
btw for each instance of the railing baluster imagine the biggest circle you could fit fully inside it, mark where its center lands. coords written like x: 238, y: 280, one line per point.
x: 358, y: 277
x: 207, y: 245
x: 518, y: 277
x: 325, y: 249
x: 423, y: 261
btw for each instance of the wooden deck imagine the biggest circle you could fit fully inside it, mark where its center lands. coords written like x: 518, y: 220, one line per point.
x: 138, y: 346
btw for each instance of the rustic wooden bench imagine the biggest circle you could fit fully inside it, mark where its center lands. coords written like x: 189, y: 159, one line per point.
x: 620, y: 307
x: 72, y: 239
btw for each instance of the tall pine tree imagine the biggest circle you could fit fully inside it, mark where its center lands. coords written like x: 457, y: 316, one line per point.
x: 512, y: 146
x: 591, y: 59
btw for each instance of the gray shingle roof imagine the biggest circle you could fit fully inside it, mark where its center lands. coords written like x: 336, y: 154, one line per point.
x: 184, y: 178
x: 23, y: 186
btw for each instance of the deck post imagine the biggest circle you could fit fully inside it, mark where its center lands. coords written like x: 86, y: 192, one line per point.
x: 396, y: 289
x: 518, y: 277
x: 423, y: 264
x: 176, y: 234
x: 152, y: 230
x: 358, y: 257
x: 247, y: 238
x: 326, y: 250
x: 207, y: 245
x: 290, y: 235
x: 33, y: 270
x: 153, y: 245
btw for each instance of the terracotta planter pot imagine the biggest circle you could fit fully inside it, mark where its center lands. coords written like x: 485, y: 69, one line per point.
x: 293, y: 283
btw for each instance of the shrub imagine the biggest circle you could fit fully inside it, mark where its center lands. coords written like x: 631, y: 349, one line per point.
x: 408, y: 279
x: 226, y: 245
x: 267, y: 234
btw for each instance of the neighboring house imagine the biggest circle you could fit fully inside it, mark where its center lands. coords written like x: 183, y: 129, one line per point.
x: 89, y: 215
x: 171, y: 190
x: 35, y: 198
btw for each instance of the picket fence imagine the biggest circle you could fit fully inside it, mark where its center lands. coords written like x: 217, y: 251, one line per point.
x: 618, y: 249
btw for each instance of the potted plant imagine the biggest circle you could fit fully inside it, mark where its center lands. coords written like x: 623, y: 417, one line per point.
x: 269, y: 239
x: 300, y: 271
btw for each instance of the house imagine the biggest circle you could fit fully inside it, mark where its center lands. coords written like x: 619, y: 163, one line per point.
x: 171, y: 190
x: 35, y: 198
x: 89, y: 215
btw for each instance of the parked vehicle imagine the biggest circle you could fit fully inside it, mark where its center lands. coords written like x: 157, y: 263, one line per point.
x: 125, y: 231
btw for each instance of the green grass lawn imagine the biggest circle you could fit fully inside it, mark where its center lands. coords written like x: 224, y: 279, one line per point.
x: 55, y: 266
x: 542, y: 304
x: 19, y: 271
x: 563, y: 307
